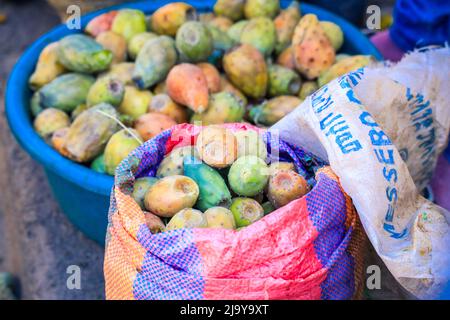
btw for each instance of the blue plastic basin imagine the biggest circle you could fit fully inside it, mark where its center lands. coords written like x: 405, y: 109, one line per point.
x: 82, y: 193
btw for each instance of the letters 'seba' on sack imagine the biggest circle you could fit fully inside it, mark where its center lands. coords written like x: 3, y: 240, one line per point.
x: 308, y: 249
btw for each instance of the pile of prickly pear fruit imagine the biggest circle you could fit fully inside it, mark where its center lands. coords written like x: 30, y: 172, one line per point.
x: 128, y: 77
x: 223, y: 181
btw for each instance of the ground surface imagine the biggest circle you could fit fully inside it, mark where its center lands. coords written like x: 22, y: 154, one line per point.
x: 37, y: 242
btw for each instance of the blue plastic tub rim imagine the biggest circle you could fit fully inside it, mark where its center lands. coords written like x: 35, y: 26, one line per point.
x: 18, y: 93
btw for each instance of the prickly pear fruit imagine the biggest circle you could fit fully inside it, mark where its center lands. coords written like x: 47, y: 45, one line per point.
x: 129, y: 22
x: 268, y: 207
x: 213, y: 189
x: 217, y: 146
x: 260, y: 33
x: 137, y: 42
x: 135, y: 102
x: 172, y: 164
x: 59, y: 139
x: 221, y: 23
x: 78, y: 110
x: 313, y: 51
x: 121, y: 71
x: 283, y: 81
x: 154, y: 223
x: 235, y: 31
x: 250, y: 143
x: 308, y: 87
x: 232, y: 9
x: 115, y: 43
x: 248, y: 176
x: 50, y: 120
x: 105, y: 89
x: 194, y: 41
x: 187, y: 218
x: 35, y: 104
x: 286, y: 58
x: 220, y: 217
x: 47, y: 67
x: 223, y: 107
x: 98, y: 164
x: 285, y: 24
x: 221, y: 41
x: 90, y: 131
x: 66, y: 92
x: 334, y: 33
x: 246, y: 211
x: 119, y: 147
x: 140, y: 188
x: 81, y: 53
x: 212, y: 76
x: 281, y: 165
x: 154, y: 61
x: 170, y: 195
x: 126, y: 120
x: 226, y: 86
x: 269, y: 112
x: 286, y: 186
x: 341, y: 56
x: 100, y: 23
x: 247, y: 70
x: 261, y: 8
x: 167, y: 19
x: 186, y: 84
x: 162, y: 103
x: 206, y: 17
x: 151, y: 124
x: 342, y: 67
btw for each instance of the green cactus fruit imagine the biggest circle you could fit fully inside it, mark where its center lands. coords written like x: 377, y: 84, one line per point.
x: 334, y: 33
x: 221, y: 41
x: 135, y: 102
x: 260, y: 33
x: 98, y: 164
x: 121, y: 71
x: 268, y: 207
x: 187, y: 218
x: 250, y: 143
x: 213, y: 189
x: 137, y: 42
x: 235, y: 31
x: 83, y: 54
x: 271, y: 111
x: 220, y: 217
x: 119, y: 147
x: 194, y: 41
x: 342, y: 67
x: 90, y: 131
x: 308, y: 87
x: 248, y: 176
x: 261, y: 8
x: 172, y: 164
x: 140, y: 188
x: 105, y: 89
x: 246, y: 211
x: 35, y: 104
x: 247, y: 70
x: 129, y: 22
x: 50, y: 120
x: 127, y: 120
x: 78, y: 110
x: 224, y: 107
x: 285, y: 24
x: 232, y: 9
x: 283, y: 81
x: 154, y: 61
x: 66, y: 92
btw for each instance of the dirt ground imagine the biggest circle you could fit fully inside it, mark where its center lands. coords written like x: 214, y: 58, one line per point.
x: 37, y: 242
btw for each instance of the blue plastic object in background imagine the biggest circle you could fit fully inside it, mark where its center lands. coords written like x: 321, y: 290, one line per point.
x: 82, y: 193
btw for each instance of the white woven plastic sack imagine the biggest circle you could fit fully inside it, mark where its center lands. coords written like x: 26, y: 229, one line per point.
x: 382, y: 129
